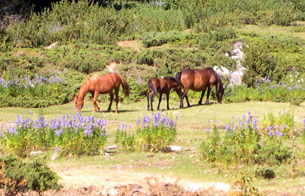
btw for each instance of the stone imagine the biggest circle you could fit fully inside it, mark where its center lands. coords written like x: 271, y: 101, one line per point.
x: 220, y: 186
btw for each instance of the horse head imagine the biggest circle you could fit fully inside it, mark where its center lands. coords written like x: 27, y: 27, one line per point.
x: 79, y: 103
x: 219, y: 92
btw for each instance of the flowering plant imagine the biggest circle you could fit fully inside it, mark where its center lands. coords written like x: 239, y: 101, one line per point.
x: 153, y: 134
x: 76, y: 135
x: 245, y: 142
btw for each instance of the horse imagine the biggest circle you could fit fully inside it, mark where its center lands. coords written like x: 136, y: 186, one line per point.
x: 200, y: 80
x: 156, y: 85
x: 104, y: 84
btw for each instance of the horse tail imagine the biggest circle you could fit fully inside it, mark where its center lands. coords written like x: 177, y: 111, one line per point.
x: 125, y: 86
x: 152, y: 87
x: 178, y: 77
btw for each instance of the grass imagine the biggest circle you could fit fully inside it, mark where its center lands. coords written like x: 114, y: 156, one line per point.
x: 274, y: 29
x: 191, y: 126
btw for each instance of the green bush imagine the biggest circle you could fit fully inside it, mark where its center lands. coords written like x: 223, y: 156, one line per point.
x: 245, y: 143
x: 260, y: 63
x: 37, y: 175
x: 290, y: 89
x: 68, y: 136
x: 33, y: 92
x: 171, y: 60
x: 285, y: 14
x: 266, y: 173
x: 88, y: 58
x: 153, y: 134
x: 158, y: 39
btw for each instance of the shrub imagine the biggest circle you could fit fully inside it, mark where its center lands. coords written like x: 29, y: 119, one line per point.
x: 290, y: 89
x: 158, y: 39
x: 5, y: 41
x: 29, y: 91
x: 266, y: 173
x: 170, y: 60
x: 88, y: 58
x: 245, y: 143
x: 34, y: 175
x: 76, y: 136
x: 152, y: 135
x: 260, y: 63
x: 284, y: 14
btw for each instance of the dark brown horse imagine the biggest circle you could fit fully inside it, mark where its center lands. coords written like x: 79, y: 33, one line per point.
x: 104, y: 84
x: 156, y: 85
x: 200, y: 80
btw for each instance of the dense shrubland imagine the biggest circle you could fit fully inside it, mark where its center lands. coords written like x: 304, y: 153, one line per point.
x: 172, y: 35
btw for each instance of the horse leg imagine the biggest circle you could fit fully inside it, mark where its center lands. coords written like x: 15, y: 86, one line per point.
x: 117, y: 100
x: 110, y: 104
x: 96, y: 93
x: 160, y: 99
x: 148, y: 94
x: 208, y: 96
x: 152, y: 100
x: 167, y: 99
x: 202, y: 94
x: 187, y: 101
x: 182, y: 97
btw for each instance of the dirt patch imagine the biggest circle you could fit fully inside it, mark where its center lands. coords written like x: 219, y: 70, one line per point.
x: 87, y: 176
x: 133, y: 44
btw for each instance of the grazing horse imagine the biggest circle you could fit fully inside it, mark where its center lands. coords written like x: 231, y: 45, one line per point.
x: 200, y: 80
x: 156, y: 85
x: 103, y: 84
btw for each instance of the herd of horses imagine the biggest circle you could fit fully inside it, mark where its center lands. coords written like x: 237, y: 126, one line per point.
x: 188, y: 79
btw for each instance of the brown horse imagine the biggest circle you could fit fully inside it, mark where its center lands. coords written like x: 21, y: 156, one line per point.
x: 103, y: 84
x: 200, y: 80
x: 156, y: 85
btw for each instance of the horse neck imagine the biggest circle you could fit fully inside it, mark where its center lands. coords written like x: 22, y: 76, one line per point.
x: 219, y: 85
x: 83, y: 91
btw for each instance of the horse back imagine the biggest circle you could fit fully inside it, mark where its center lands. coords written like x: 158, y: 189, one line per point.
x: 154, y: 83
x: 104, y: 83
x: 198, y: 79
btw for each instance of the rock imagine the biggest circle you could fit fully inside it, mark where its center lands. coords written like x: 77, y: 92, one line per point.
x: 36, y: 153
x: 220, y: 186
x: 51, y: 46
x: 112, y: 147
x: 54, y: 156
x: 110, y: 192
x: 194, y: 188
x: 175, y: 148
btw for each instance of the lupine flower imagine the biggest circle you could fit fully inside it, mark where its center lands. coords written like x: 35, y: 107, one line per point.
x: 59, y: 132
x: 56, y: 149
x: 255, y: 122
x: 228, y: 128
x: 270, y: 133
x: 280, y: 134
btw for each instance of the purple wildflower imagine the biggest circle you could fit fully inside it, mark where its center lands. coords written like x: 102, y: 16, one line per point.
x: 59, y: 132
x: 228, y: 128
x: 280, y: 134
x: 138, y: 121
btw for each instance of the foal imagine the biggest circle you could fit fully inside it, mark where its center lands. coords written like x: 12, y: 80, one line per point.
x: 156, y: 85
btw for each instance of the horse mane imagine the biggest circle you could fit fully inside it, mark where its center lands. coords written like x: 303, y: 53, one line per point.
x: 170, y: 78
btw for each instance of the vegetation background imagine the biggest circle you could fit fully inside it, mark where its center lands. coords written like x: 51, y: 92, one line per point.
x: 48, y: 49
